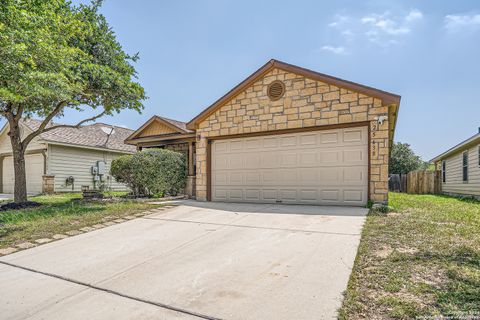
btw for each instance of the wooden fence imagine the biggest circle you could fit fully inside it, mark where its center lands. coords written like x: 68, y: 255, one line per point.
x: 416, y: 182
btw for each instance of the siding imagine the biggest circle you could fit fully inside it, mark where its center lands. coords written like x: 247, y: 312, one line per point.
x: 454, y: 182
x: 64, y: 162
x: 6, y: 146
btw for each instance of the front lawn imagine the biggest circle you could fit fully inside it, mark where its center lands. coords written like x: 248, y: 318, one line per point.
x: 422, y: 259
x: 59, y: 214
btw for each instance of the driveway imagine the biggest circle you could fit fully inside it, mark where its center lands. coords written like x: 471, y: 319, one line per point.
x: 197, y: 260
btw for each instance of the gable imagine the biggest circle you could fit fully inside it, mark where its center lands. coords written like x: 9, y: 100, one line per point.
x: 156, y: 128
x: 306, y: 102
x: 6, y: 146
x: 386, y: 98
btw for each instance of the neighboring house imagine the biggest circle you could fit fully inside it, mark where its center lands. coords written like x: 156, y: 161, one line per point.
x: 61, y: 160
x: 285, y: 135
x: 460, y: 168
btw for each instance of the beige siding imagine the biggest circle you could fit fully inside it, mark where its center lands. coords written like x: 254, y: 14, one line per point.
x: 454, y: 182
x: 6, y: 146
x: 34, y: 173
x: 64, y: 162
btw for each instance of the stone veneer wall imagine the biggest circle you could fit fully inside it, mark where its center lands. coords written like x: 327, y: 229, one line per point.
x: 306, y: 103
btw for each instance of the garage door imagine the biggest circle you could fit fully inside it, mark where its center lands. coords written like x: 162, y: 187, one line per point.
x: 327, y: 167
x: 34, y: 171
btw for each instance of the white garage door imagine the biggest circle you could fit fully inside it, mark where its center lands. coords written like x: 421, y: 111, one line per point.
x: 317, y: 167
x: 34, y: 171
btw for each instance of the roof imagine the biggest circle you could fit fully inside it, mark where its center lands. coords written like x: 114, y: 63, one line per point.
x: 175, y: 125
x: 92, y: 135
x: 387, y: 97
x: 459, y: 147
x: 179, y: 124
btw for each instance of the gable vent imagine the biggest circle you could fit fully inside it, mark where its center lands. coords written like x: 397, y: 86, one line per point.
x: 275, y: 90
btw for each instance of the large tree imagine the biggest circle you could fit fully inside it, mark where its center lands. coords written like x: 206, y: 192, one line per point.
x: 404, y: 160
x: 56, y: 56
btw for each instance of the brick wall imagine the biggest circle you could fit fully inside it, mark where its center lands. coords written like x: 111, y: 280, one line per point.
x: 306, y: 103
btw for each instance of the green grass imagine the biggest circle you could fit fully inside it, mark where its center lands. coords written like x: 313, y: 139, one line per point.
x: 59, y: 213
x: 421, y: 259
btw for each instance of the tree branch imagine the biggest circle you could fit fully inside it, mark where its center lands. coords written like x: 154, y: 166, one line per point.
x: 44, y: 123
x: 75, y: 125
x: 19, y: 113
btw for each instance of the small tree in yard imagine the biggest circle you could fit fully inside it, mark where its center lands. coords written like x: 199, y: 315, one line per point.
x: 55, y: 56
x: 151, y: 172
x: 404, y: 160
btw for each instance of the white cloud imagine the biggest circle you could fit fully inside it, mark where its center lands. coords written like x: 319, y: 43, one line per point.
x: 382, y: 29
x: 383, y: 23
x: 414, y: 15
x: 338, y: 21
x: 455, y: 23
x: 335, y: 50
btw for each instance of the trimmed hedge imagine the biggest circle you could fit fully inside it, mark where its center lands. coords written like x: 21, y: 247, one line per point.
x: 158, y: 172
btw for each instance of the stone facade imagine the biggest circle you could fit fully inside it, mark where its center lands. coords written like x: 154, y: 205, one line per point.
x: 48, y: 184
x: 306, y: 103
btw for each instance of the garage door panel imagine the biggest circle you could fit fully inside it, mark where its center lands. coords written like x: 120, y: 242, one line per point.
x: 269, y: 195
x: 269, y: 177
x: 235, y: 162
x: 308, y: 158
x: 253, y: 178
x: 329, y: 138
x: 236, y: 145
x: 221, y: 147
x: 353, y: 195
x: 330, y: 156
x: 309, y: 139
x: 288, y: 159
x: 34, y: 168
x: 288, y: 195
x: 354, y: 155
x: 235, y: 194
x: 288, y: 141
x: 351, y: 136
x: 252, y: 194
x: 319, y: 167
x: 355, y: 175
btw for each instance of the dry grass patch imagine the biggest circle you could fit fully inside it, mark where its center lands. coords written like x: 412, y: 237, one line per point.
x: 422, y: 259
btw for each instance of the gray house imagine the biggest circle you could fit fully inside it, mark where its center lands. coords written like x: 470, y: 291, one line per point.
x: 460, y: 168
x: 61, y: 160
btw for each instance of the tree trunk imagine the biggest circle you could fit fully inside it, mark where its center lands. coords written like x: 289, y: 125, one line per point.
x: 18, y: 150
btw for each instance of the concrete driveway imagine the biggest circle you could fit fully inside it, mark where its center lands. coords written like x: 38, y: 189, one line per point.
x: 197, y: 260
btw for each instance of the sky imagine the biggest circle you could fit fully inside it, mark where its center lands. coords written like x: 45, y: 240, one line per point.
x: 193, y: 52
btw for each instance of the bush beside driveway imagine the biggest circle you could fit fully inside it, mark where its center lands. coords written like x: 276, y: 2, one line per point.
x: 421, y: 259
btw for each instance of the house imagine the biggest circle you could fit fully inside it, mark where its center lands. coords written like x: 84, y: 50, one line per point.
x: 61, y: 160
x: 285, y: 135
x: 460, y: 167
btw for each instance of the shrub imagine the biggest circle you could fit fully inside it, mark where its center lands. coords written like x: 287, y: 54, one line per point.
x: 151, y: 172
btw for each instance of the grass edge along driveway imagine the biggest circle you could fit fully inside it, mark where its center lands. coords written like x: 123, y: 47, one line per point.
x: 58, y: 214
x: 420, y: 260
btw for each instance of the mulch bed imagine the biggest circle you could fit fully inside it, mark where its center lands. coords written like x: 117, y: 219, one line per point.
x: 17, y: 206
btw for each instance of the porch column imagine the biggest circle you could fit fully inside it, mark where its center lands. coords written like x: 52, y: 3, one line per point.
x: 190, y: 158
x: 190, y: 188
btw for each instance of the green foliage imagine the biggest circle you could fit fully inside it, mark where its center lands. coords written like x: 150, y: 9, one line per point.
x: 404, y: 160
x: 55, y: 54
x: 151, y: 172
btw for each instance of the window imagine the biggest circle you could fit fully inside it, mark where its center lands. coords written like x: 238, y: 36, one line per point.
x: 444, y: 171
x: 479, y: 155
x: 465, y: 166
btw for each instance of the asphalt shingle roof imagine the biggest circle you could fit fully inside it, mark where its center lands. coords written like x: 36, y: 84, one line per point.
x: 93, y: 135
